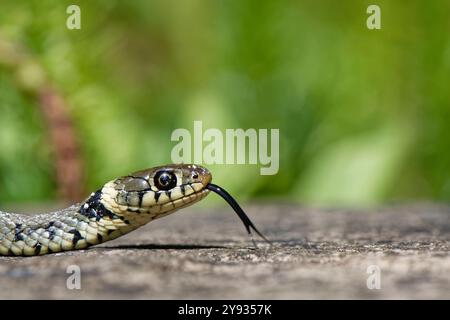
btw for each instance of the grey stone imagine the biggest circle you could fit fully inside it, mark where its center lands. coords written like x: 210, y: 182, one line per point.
x: 205, y: 253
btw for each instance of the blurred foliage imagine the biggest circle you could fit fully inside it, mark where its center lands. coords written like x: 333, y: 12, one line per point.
x: 363, y: 115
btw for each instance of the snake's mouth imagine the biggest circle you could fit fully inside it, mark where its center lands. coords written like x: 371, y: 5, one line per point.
x: 237, y: 208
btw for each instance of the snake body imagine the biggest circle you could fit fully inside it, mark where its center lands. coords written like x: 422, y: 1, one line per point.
x: 119, y: 207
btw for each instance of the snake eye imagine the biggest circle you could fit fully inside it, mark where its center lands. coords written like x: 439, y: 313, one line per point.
x: 165, y: 180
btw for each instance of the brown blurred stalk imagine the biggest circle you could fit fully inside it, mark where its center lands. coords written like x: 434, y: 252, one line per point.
x: 32, y: 79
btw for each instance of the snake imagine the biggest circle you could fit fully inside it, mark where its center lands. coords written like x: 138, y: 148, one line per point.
x: 119, y: 207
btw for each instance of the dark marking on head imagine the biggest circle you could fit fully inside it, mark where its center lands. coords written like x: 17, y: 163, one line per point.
x: 93, y: 208
x: 182, y: 189
x: 99, y: 237
x: 92, y: 213
x: 127, y: 198
x: 141, y: 196
x: 110, y: 231
x: 157, y: 195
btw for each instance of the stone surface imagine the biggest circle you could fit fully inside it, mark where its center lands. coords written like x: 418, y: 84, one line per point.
x: 205, y: 253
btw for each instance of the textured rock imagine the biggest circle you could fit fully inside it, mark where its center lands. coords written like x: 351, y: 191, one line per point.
x: 204, y: 253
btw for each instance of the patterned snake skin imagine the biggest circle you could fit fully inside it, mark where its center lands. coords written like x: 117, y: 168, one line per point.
x: 121, y: 206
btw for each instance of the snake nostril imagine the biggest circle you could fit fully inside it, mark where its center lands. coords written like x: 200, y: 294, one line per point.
x: 194, y: 175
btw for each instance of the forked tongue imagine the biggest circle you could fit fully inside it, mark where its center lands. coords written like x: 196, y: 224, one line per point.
x: 237, y: 208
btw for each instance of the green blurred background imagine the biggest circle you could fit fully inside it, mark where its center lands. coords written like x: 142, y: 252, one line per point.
x: 363, y: 114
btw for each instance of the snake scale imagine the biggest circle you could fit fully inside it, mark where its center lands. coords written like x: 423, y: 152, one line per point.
x: 119, y: 207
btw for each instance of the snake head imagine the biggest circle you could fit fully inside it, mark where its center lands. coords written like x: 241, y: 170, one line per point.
x: 133, y: 200
x: 157, y: 191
